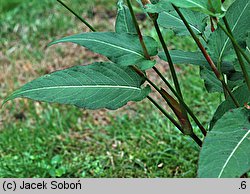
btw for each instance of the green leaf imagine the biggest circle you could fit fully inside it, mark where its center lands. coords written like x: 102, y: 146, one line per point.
x: 183, y: 57
x: 211, y: 7
x: 248, y: 42
x: 238, y: 16
x: 242, y: 94
x: 225, y: 152
x: 123, y: 49
x: 99, y: 85
x: 212, y: 84
x: 171, y: 20
x: 195, y: 58
x: 162, y: 5
x: 124, y: 22
x: 227, y: 3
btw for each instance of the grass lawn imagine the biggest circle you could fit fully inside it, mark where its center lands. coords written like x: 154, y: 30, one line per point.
x: 50, y: 140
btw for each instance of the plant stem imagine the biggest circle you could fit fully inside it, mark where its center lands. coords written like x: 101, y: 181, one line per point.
x: 234, y: 41
x: 193, y: 136
x: 170, y: 62
x: 207, y: 56
x: 237, y: 51
x: 202, y: 129
x: 180, y: 98
x: 153, y: 85
x: 165, y: 113
x: 146, y: 55
x: 196, y: 139
x: 172, y: 69
x: 161, y: 76
x: 79, y: 17
x: 144, y: 48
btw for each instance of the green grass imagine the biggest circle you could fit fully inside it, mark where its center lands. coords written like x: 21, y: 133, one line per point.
x: 63, y: 142
x: 50, y: 140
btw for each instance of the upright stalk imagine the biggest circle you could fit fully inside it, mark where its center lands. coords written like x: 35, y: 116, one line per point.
x: 79, y: 17
x: 171, y: 64
x: 144, y: 48
x: 202, y: 129
x: 188, y: 129
x: 165, y: 113
x: 237, y: 51
x: 207, y: 56
x: 154, y: 17
x: 193, y: 136
x: 172, y: 69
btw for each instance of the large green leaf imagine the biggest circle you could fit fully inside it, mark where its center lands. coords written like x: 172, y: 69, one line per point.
x: 242, y: 95
x: 171, y: 20
x: 100, y: 85
x: 211, y: 7
x: 225, y: 152
x: 124, y: 22
x: 123, y: 49
x: 238, y: 16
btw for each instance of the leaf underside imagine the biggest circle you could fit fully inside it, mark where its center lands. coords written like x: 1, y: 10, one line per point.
x: 123, y: 49
x: 99, y: 85
x: 225, y: 152
x: 171, y: 20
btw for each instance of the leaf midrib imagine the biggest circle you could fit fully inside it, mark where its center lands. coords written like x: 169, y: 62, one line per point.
x: 70, y: 87
x: 183, y: 57
x: 236, y: 23
x: 192, y: 26
x: 231, y: 154
x: 198, y: 5
x: 93, y: 40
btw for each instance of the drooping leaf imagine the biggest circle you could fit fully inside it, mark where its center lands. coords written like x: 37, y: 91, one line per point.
x: 171, y: 20
x: 124, y: 22
x: 211, y: 7
x: 242, y: 95
x: 99, y: 85
x: 123, y: 49
x: 225, y: 152
x: 238, y: 16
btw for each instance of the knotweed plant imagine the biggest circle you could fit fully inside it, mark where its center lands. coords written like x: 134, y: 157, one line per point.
x: 220, y: 29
